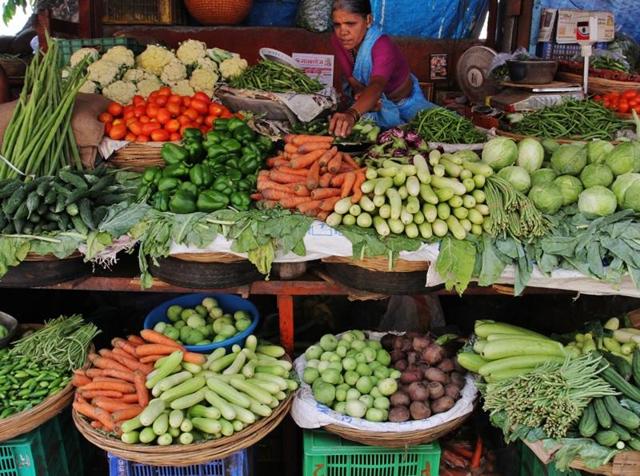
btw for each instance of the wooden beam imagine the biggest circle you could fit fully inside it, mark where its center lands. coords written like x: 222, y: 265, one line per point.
x: 524, y: 24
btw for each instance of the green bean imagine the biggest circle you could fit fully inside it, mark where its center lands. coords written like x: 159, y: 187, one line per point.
x: 276, y: 77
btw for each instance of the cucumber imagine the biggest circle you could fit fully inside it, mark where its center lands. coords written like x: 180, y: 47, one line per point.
x: 147, y: 435
x: 607, y: 438
x: 635, y: 367
x: 604, y: 419
x: 486, y: 328
x: 153, y: 410
x: 188, y: 401
x: 619, y: 383
x: 589, y: 422
x: 471, y: 361
x: 161, y: 424
x: 622, y: 432
x: 184, y: 389
x: 622, y: 366
x: 207, y: 425
x: 621, y: 415
x: 226, y: 410
x: 229, y: 393
x: 634, y: 443
x: 631, y: 405
x: 514, y: 347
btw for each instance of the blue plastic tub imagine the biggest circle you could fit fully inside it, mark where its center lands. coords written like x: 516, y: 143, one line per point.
x: 229, y: 304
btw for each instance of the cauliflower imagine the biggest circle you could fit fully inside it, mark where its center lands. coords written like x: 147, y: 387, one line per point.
x: 203, y: 80
x: 233, y: 67
x: 183, y: 88
x: 121, y: 92
x: 173, y: 72
x: 154, y: 59
x: 79, y: 55
x: 120, y: 55
x: 206, y: 63
x: 218, y: 55
x: 103, y: 72
x: 135, y: 75
x: 89, y: 87
x: 191, y: 51
x: 148, y: 85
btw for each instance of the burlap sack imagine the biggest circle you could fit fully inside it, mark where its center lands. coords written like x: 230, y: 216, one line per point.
x: 87, y: 129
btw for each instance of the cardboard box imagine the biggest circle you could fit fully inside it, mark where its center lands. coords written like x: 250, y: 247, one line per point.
x: 559, y: 26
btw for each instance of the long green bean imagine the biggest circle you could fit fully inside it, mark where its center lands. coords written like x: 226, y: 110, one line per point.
x: 276, y: 77
x: 442, y: 125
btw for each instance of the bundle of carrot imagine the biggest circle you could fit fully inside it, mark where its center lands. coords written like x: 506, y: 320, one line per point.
x: 311, y: 175
x: 114, y: 390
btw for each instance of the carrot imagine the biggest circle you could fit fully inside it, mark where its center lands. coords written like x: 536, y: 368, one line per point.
x: 271, y: 194
x: 308, y: 206
x: 105, y: 363
x: 91, y: 394
x: 109, y: 404
x: 301, y: 191
x: 289, y: 170
x: 155, y: 349
x: 291, y: 149
x: 97, y: 425
x: 303, y: 139
x: 357, y: 193
x: 313, y: 146
x: 335, y: 164
x: 130, y: 398
x: 327, y: 156
x: 127, y: 346
x: 131, y: 364
x: 141, y: 390
x: 321, y: 193
x: 328, y: 204
x: 121, y: 387
x: 266, y: 183
x: 79, y: 380
x: 282, y: 177
x: 151, y: 359
x: 256, y: 197
x: 349, y: 160
x: 306, y: 160
x: 347, y: 186
x: 292, y: 202
x: 338, y: 180
x: 283, y: 162
x: 268, y: 204
x: 95, y: 414
x: 313, y: 176
x: 93, y: 373
x: 325, y: 180
x: 127, y: 413
x: 322, y: 215
x: 157, y: 338
x: 477, y: 454
x: 107, y: 380
x: 194, y: 358
x: 126, y: 376
x: 135, y: 340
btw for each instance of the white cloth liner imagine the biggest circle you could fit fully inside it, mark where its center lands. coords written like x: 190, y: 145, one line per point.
x: 308, y: 413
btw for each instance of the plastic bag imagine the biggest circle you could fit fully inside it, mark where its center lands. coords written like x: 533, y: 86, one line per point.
x: 499, y: 70
x: 314, y: 15
x: 628, y: 48
x: 612, y: 60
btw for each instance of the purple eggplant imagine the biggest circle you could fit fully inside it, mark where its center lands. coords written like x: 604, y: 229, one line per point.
x: 390, y: 135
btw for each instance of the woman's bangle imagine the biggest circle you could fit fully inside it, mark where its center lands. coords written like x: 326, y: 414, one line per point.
x: 353, y: 113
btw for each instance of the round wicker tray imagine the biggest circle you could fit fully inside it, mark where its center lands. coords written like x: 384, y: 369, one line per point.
x: 137, y: 157
x: 31, y: 419
x: 381, y: 264
x: 185, y: 455
x: 209, y: 257
x: 211, y: 270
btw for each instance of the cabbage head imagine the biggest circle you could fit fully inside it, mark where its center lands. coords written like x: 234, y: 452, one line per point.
x: 597, y: 201
x: 516, y: 176
x: 547, y: 197
x: 632, y: 197
x: 596, y: 174
x: 570, y: 187
x: 624, y: 158
x: 530, y: 154
x: 541, y: 176
x: 622, y: 184
x: 569, y: 159
x: 500, y: 152
x: 467, y: 154
x: 549, y: 146
x: 598, y: 150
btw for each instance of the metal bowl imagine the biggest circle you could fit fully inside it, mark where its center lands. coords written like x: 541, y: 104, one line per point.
x: 11, y: 324
x: 532, y: 71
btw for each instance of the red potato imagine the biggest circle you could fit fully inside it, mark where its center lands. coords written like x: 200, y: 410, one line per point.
x: 446, y: 365
x: 436, y: 390
x: 410, y: 375
x: 399, y: 414
x: 419, y: 410
x: 420, y: 343
x: 412, y: 358
x: 400, y: 399
x: 452, y: 390
x: 397, y: 355
x: 400, y: 365
x: 398, y: 342
x: 458, y: 379
x: 433, y: 354
x: 442, y: 404
x: 434, y: 374
x: 418, y: 392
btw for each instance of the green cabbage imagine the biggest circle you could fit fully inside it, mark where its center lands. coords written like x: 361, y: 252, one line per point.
x: 596, y: 174
x: 516, y: 176
x: 597, y: 201
x: 530, y: 154
x: 541, y: 176
x: 570, y: 187
x: 632, y: 197
x: 624, y: 158
x: 547, y: 197
x: 569, y: 159
x: 500, y: 152
x: 467, y: 154
x: 622, y: 184
x: 598, y: 150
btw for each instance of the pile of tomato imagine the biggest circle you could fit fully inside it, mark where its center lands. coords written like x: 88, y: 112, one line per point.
x: 161, y: 117
x: 624, y: 102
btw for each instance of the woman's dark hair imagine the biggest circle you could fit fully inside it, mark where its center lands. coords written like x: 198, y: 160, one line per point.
x: 358, y: 7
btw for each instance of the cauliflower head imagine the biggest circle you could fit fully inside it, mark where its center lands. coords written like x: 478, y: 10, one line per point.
x: 103, y: 72
x: 207, y: 63
x: 89, y: 87
x: 182, y: 87
x: 233, y: 67
x: 154, y: 58
x: 148, y: 85
x: 191, y: 51
x: 121, y: 92
x: 203, y: 80
x: 135, y: 75
x: 173, y: 72
x: 120, y: 55
x: 79, y: 55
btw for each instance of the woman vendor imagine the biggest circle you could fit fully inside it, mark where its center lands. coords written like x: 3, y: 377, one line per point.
x: 377, y: 74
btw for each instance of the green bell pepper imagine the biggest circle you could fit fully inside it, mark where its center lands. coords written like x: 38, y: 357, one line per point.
x: 223, y: 184
x: 221, y: 125
x: 189, y: 187
x: 264, y: 144
x: 213, y: 137
x: 192, y: 133
x: 232, y: 163
x: 244, y: 185
x: 196, y: 151
x: 244, y: 134
x: 233, y: 174
x: 182, y: 202
x: 167, y: 184
x: 151, y: 175
x: 175, y: 171
x: 231, y: 145
x: 160, y: 201
x: 215, y: 152
x: 240, y: 200
x: 173, y: 154
x: 143, y: 191
x: 200, y: 175
x: 210, y: 201
x: 248, y: 164
x: 235, y: 123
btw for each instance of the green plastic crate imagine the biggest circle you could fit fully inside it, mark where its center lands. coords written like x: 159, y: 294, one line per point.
x: 530, y: 465
x: 329, y: 455
x: 52, y: 449
x: 69, y: 47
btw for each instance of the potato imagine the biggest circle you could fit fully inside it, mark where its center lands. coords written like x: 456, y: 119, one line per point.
x: 399, y: 414
x: 410, y: 375
x: 400, y: 399
x: 442, y: 404
x: 400, y: 365
x: 446, y: 365
x: 433, y: 354
x: 420, y: 343
x: 406, y: 345
x: 458, y: 379
x: 452, y: 390
x: 412, y: 358
x: 397, y: 355
x: 387, y: 341
x: 418, y: 392
x: 436, y: 390
x: 398, y: 342
x: 419, y: 410
x: 434, y: 374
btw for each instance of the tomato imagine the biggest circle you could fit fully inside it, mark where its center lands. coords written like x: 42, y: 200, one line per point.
x: 226, y: 115
x: 117, y: 122
x: 138, y: 100
x: 200, y: 106
x: 129, y: 115
x: 130, y: 137
x: 152, y: 96
x: 142, y: 139
x: 118, y: 132
x: 215, y: 109
x: 173, y: 109
x: 160, y: 135
x: 130, y: 121
x: 161, y: 101
x: 172, y: 125
x: 186, y: 101
x: 623, y: 106
x: 204, y: 129
x: 136, y: 127
x: 105, y: 117
x: 597, y: 98
x: 147, y: 129
x: 152, y: 110
x: 163, y: 116
x: 637, y: 109
x: 164, y: 91
x: 239, y: 115
x: 175, y: 99
x: 175, y: 136
x: 191, y: 114
x: 107, y: 128
x: 633, y: 102
x: 209, y: 120
x: 145, y: 119
x: 199, y: 120
x: 202, y: 97
x: 140, y: 111
x: 115, y: 109
x: 629, y: 94
x: 183, y: 120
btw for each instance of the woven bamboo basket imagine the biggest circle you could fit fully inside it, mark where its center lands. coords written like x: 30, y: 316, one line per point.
x: 381, y: 264
x: 34, y: 257
x: 219, y: 12
x: 209, y: 257
x: 44, y: 270
x: 28, y: 420
x: 599, y: 85
x: 185, y: 455
x: 395, y: 439
x: 137, y: 157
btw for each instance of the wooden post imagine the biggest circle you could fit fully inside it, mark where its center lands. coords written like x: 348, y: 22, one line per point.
x: 285, y: 317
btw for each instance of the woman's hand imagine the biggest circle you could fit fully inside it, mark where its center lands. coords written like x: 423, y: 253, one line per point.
x: 341, y: 124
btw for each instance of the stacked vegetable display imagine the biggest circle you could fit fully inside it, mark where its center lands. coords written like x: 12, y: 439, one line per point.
x: 207, y: 172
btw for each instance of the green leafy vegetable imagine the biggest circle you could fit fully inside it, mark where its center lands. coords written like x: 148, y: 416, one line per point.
x: 456, y: 262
